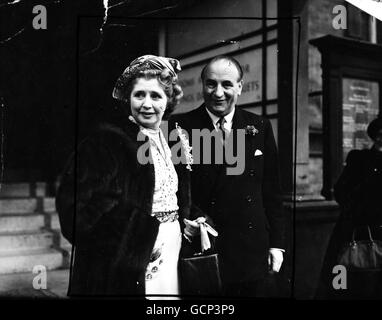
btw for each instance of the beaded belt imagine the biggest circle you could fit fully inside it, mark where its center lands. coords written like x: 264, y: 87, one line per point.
x: 164, y: 216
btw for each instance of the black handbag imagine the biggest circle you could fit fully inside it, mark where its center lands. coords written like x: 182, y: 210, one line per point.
x: 361, y: 254
x: 200, y: 273
x: 200, y: 276
x: 363, y: 262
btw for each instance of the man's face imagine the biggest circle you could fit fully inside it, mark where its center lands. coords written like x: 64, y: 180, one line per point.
x: 221, y: 87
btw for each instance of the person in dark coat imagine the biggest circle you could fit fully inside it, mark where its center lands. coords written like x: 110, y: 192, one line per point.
x: 120, y: 207
x: 358, y: 191
x: 246, y: 205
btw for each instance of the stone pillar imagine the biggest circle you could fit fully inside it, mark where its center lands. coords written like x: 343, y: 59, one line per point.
x: 302, y: 157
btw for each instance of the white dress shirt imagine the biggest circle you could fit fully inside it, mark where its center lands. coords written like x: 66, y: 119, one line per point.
x: 228, y: 120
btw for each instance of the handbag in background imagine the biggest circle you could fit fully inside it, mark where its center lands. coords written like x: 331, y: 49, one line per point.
x: 363, y: 262
x: 362, y: 254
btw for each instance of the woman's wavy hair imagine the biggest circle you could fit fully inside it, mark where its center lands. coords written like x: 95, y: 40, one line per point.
x: 168, y: 83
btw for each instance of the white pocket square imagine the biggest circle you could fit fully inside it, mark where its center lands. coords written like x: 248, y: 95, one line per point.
x: 258, y: 153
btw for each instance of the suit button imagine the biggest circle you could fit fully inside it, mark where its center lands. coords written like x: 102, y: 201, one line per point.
x: 251, y: 172
x: 249, y: 199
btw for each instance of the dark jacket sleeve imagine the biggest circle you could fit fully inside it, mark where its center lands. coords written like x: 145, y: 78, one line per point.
x: 86, y: 194
x: 354, y: 189
x: 349, y: 183
x: 272, y: 195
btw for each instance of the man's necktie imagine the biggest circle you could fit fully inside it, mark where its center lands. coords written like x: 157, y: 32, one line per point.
x: 224, y: 132
x: 220, y: 124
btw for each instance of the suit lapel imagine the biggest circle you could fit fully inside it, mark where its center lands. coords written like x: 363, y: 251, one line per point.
x: 202, y: 119
x: 209, y: 172
x: 238, y: 122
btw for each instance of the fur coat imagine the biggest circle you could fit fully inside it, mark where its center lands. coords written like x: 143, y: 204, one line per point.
x: 104, y: 210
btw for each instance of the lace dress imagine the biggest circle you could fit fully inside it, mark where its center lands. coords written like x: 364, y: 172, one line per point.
x: 162, y: 271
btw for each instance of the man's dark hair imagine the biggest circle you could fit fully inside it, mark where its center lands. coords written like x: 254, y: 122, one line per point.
x: 226, y: 58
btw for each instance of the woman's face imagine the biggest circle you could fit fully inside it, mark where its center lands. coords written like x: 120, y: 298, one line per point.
x: 148, y: 102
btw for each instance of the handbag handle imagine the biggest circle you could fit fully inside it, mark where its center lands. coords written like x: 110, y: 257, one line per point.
x: 205, y: 229
x: 368, y: 231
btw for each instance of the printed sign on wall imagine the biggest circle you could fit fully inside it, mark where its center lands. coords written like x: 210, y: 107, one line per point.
x: 360, y: 106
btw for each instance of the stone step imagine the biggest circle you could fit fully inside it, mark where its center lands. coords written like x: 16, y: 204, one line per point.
x: 41, y: 189
x: 59, y: 240
x: 67, y: 254
x: 20, y: 190
x: 53, y: 221
x: 21, y: 222
x: 9, y: 190
x: 55, y: 226
x: 65, y: 244
x: 49, y: 204
x: 28, y: 205
x: 24, y: 261
x: 13, y: 241
x: 18, y: 285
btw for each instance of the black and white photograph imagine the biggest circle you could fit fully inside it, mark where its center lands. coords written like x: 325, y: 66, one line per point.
x: 191, y: 151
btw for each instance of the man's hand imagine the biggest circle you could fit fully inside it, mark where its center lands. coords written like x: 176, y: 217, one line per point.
x: 275, y: 259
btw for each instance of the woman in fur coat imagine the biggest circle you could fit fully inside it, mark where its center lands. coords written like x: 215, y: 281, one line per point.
x: 123, y: 212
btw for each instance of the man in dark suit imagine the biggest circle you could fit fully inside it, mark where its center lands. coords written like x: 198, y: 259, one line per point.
x: 246, y: 208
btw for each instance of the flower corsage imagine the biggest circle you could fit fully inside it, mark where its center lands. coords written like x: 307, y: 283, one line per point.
x: 251, y: 130
x: 186, y: 147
